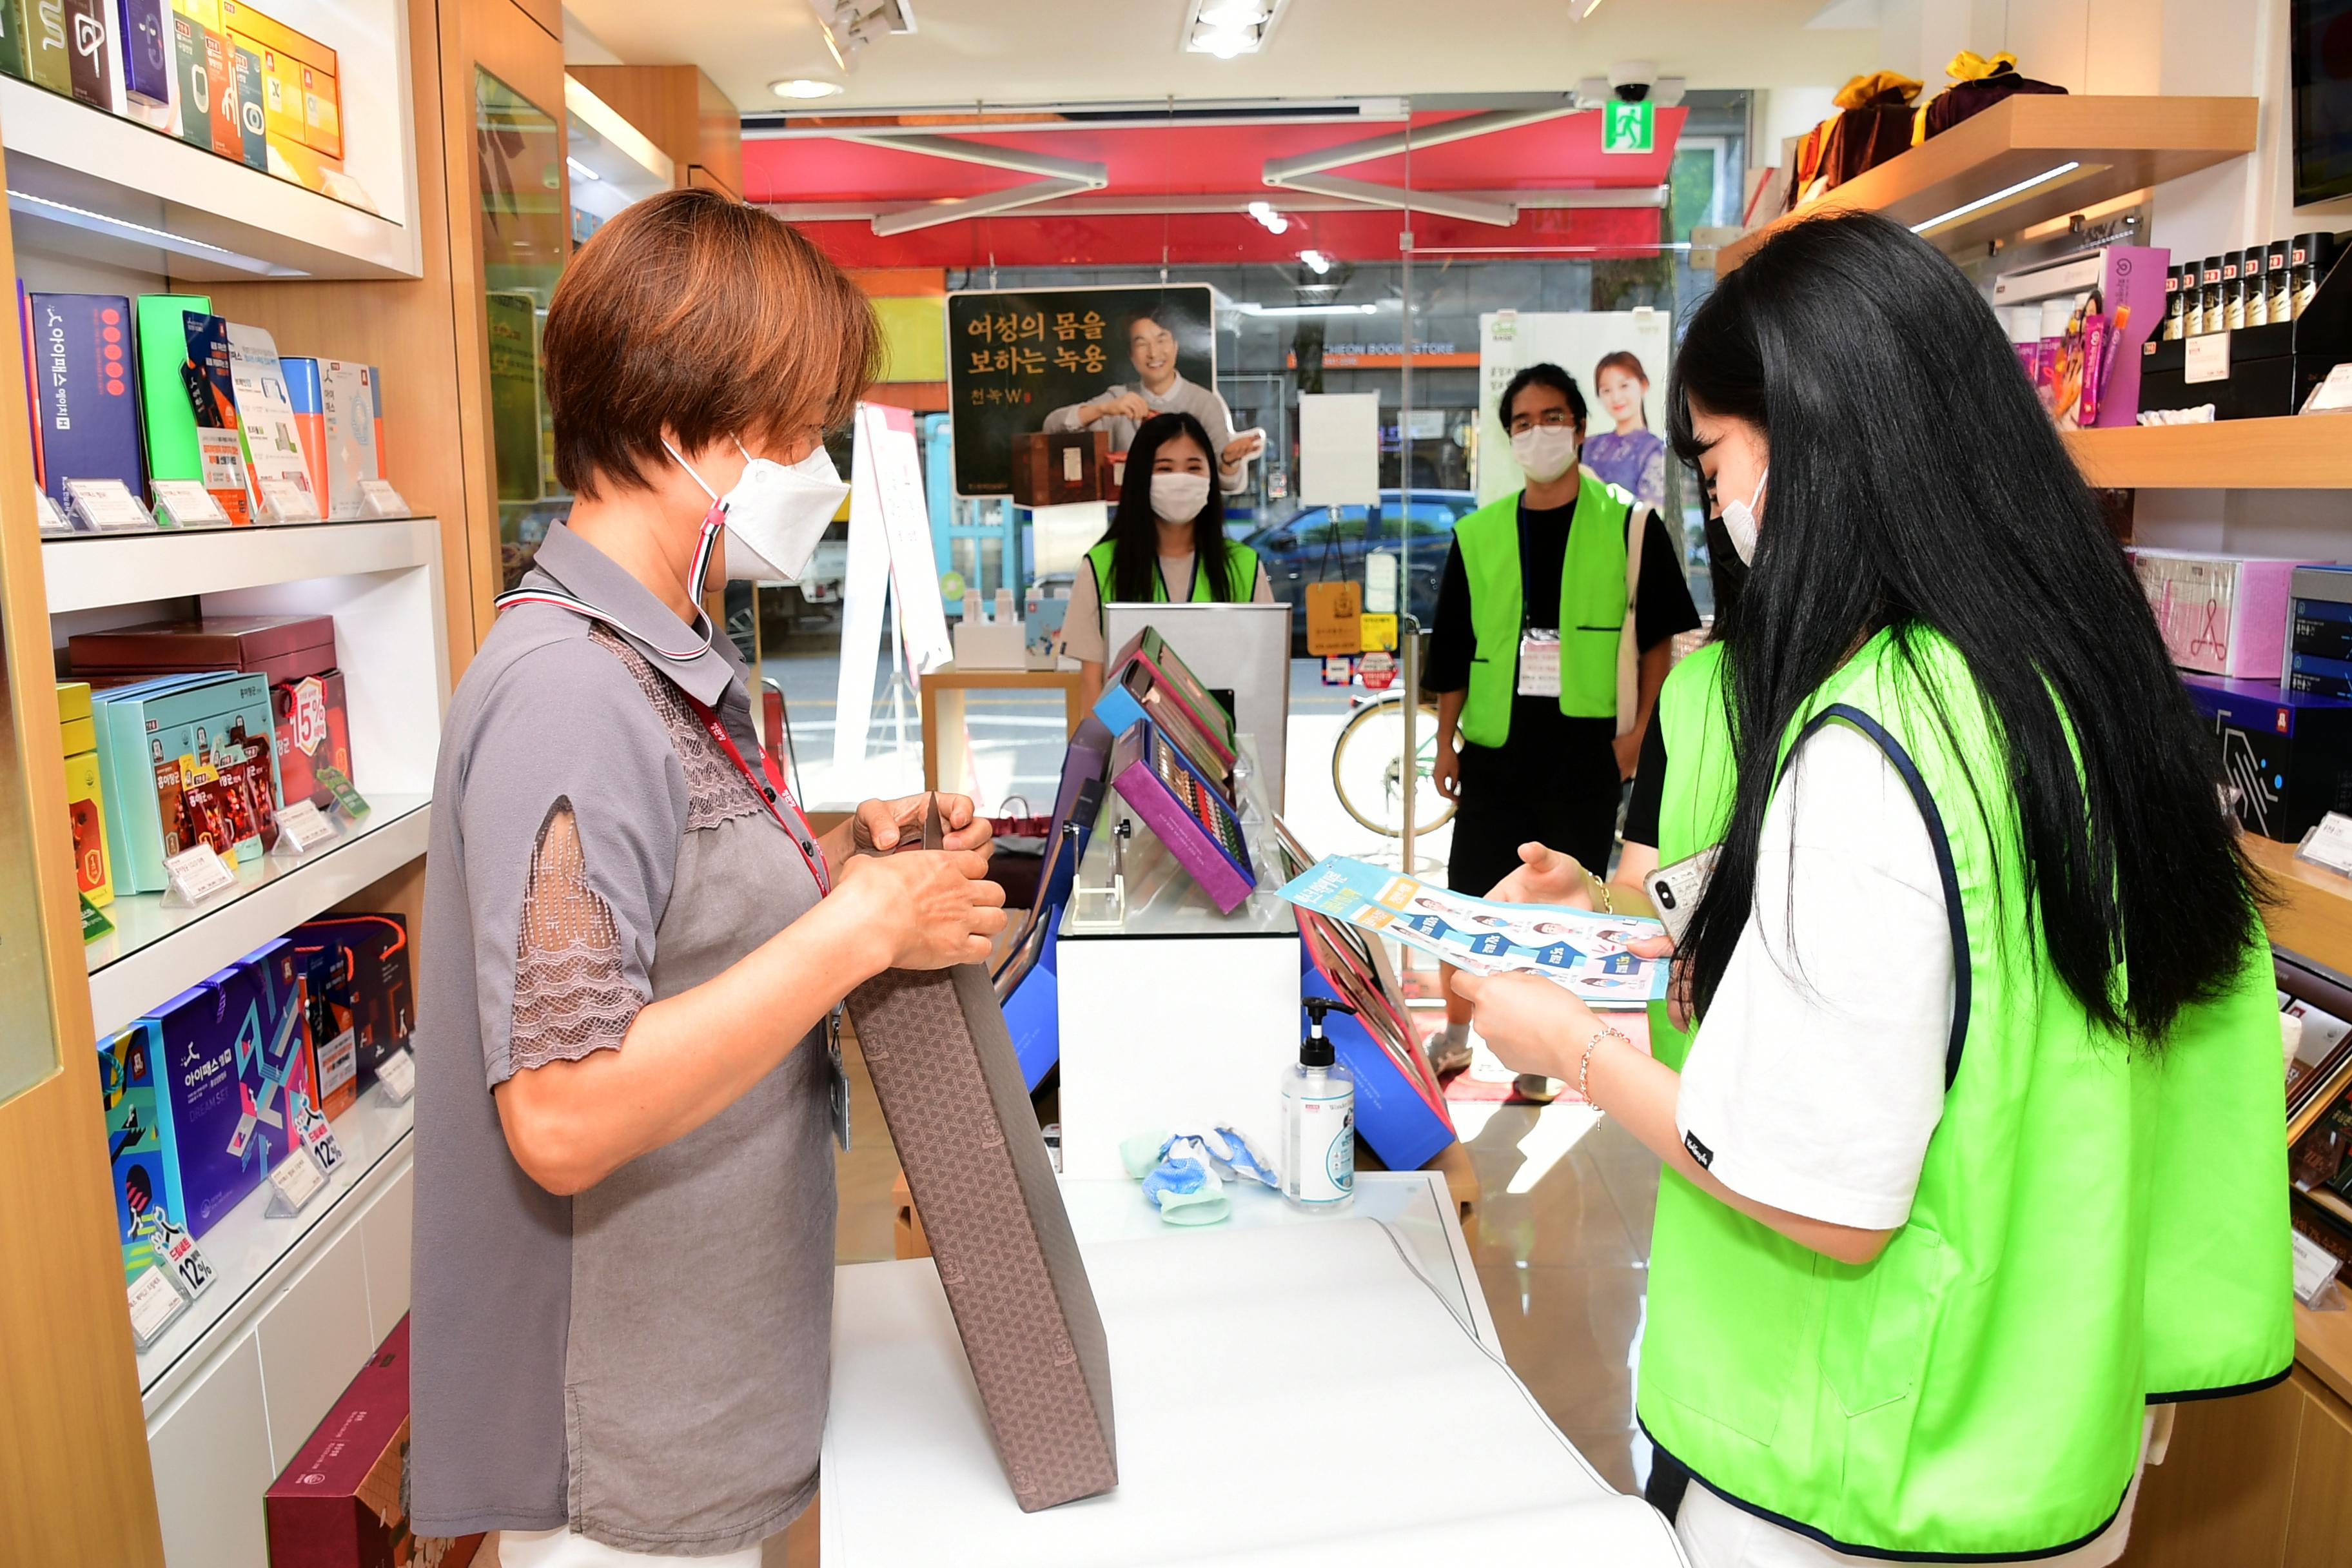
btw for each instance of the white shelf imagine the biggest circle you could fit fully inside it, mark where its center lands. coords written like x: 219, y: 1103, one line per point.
x: 89, y: 571
x: 154, y: 953
x: 252, y: 1252
x: 95, y: 184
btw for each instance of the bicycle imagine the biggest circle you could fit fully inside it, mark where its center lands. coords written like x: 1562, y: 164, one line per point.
x: 1370, y: 754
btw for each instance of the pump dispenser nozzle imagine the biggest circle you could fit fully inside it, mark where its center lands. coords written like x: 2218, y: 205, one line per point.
x: 1315, y: 1050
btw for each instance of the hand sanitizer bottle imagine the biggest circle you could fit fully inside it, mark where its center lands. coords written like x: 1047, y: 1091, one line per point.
x: 1318, y: 1119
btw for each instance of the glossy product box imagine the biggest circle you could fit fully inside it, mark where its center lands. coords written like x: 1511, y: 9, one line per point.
x: 144, y: 730
x: 2220, y: 614
x: 283, y: 649
x: 343, y: 1500
x: 2287, y: 754
x: 363, y: 962
x: 314, y: 731
x: 146, y: 1176
x: 87, y: 391
x: 223, y: 1053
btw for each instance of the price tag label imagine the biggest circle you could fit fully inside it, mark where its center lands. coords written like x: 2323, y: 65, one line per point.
x: 197, y: 874
x: 378, y: 499
x: 298, y: 1179
x: 107, y: 505
x: 185, y: 503
x: 2330, y: 844
x: 317, y: 1135
x: 190, y: 1268
x: 154, y: 1305
x: 52, y: 520
x: 397, y: 1074
x: 2332, y: 395
x: 301, y: 827
x: 2315, y: 1266
x: 2206, y: 357
x: 347, y: 800
x: 283, y: 500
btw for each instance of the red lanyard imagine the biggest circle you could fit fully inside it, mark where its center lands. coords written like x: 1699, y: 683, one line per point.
x: 803, y: 837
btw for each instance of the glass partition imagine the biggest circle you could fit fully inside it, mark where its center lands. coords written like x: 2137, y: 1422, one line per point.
x: 518, y: 147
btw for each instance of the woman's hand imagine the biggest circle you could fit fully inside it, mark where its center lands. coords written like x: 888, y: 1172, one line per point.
x: 881, y: 826
x: 1546, y: 877
x: 926, y: 908
x: 1532, y: 1024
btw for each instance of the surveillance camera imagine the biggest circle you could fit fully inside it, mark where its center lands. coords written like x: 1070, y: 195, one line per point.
x: 1631, y: 79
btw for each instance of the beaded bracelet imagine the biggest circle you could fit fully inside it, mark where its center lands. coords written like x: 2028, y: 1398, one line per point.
x: 1584, y: 1063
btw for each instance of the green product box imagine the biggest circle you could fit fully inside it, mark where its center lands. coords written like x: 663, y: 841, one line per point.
x: 164, y: 406
x: 50, y: 45
x: 15, y: 24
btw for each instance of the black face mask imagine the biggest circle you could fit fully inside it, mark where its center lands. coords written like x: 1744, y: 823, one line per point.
x: 1725, y: 566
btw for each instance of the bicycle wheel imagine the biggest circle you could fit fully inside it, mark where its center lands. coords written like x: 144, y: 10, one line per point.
x: 1367, y: 770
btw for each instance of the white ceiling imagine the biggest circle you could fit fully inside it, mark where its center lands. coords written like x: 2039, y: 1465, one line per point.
x: 1015, y: 51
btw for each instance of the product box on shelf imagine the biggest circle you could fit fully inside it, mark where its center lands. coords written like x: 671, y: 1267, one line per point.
x: 228, y: 1047
x: 146, y: 1175
x: 152, y: 735
x: 343, y: 1500
x: 282, y: 649
x: 273, y: 443
x: 314, y: 732
x: 91, y: 72
x: 49, y: 45
x: 146, y: 47
x: 87, y: 404
x: 301, y: 103
x: 335, y: 411
x: 360, y: 964
x: 253, y: 141
x: 167, y: 416
x: 1055, y: 467
x: 2287, y: 754
x: 211, y: 398
x: 2220, y: 614
x: 2265, y: 370
x: 2319, y: 613
x: 2098, y: 307
x: 85, y: 804
x: 14, y: 23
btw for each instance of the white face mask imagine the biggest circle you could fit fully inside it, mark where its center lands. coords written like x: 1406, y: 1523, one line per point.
x: 1545, y: 451
x: 774, y: 515
x: 1739, y: 520
x: 1179, y: 498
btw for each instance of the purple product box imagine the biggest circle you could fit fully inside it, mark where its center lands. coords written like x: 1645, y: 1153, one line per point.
x: 1185, y: 811
x: 225, y: 1059
x: 87, y: 389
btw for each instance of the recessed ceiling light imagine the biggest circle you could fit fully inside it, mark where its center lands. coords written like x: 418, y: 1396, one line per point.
x: 1274, y: 221
x: 804, y: 86
x: 1229, y: 27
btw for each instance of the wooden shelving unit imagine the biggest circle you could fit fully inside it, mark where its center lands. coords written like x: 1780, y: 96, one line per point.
x: 2289, y: 453
x: 2012, y: 160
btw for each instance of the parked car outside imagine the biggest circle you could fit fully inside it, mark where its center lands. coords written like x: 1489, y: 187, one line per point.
x: 1327, y: 544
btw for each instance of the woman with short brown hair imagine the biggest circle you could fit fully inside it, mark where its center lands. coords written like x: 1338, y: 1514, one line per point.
x: 633, y: 941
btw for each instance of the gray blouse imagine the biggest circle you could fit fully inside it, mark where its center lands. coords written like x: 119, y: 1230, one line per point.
x: 648, y: 1360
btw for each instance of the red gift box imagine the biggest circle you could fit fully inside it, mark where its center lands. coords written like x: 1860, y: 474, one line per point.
x: 314, y: 730
x: 342, y: 1503
x: 283, y: 647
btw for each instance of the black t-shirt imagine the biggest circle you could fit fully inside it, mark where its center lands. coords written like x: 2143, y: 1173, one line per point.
x: 1642, y: 812
x: 1545, y: 744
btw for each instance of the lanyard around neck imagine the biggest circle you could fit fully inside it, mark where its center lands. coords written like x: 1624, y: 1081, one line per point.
x: 579, y: 606
x: 770, y: 789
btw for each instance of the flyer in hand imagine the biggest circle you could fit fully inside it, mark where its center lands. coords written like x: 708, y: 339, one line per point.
x: 1586, y: 952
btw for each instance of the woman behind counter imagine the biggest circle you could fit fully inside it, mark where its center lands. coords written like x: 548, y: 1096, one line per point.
x: 1973, y: 1159
x: 623, y: 1282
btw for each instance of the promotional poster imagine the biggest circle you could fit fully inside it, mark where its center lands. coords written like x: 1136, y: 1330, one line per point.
x: 1025, y: 361
x: 1619, y: 359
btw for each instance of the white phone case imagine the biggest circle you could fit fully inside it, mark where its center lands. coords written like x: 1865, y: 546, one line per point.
x: 1674, y: 890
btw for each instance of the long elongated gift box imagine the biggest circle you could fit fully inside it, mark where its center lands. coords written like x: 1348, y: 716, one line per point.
x: 952, y: 1091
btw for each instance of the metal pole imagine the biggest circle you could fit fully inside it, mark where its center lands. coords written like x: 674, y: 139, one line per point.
x: 1409, y: 650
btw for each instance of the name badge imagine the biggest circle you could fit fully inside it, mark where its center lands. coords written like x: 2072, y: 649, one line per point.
x: 1539, y: 664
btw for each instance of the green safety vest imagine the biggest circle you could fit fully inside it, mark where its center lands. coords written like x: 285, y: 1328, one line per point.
x: 1592, y: 607
x: 2093, y: 1230
x: 1695, y: 796
x: 1240, y: 575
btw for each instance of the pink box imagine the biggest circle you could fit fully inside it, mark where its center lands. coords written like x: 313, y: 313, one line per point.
x: 2222, y: 615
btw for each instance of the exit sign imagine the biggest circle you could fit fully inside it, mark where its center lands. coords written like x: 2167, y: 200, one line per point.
x: 1629, y: 127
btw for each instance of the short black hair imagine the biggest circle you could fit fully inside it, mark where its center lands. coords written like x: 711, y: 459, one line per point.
x: 1544, y: 375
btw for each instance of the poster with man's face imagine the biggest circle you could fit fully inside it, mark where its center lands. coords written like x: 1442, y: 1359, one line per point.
x: 1027, y: 359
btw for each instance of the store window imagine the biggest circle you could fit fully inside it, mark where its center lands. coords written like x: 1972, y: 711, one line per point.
x: 526, y: 226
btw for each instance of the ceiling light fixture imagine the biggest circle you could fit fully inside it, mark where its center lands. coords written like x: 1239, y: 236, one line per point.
x: 804, y: 86
x: 1965, y: 208
x: 848, y: 26
x: 1274, y: 221
x: 1252, y: 308
x: 1229, y: 27
x: 1315, y: 262
x: 580, y: 170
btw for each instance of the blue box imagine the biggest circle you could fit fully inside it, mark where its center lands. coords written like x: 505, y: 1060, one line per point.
x: 87, y: 389
x: 1402, y: 1117
x: 2314, y: 676
x: 143, y: 731
x: 2287, y: 754
x: 146, y: 1176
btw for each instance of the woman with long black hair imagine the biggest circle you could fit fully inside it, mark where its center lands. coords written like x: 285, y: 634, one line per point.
x: 1973, y: 1158
x: 1166, y: 541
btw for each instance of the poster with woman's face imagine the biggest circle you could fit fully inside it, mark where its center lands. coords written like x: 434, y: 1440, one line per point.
x: 1619, y: 360
x: 1026, y: 360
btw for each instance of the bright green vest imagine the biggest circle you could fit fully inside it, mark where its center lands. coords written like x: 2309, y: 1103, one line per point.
x: 1591, y: 608
x: 1240, y: 575
x: 2092, y: 1230
x: 1695, y: 796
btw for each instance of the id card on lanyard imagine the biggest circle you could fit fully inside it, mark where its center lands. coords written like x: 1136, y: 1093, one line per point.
x: 769, y: 787
x: 1539, y: 646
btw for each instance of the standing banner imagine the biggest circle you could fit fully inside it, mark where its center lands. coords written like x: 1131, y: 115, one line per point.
x: 889, y: 558
x: 1618, y: 357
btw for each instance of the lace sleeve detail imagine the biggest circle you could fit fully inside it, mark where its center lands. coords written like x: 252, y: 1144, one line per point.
x: 571, y: 996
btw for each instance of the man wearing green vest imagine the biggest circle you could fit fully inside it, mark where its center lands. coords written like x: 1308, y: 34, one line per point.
x: 1523, y: 657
